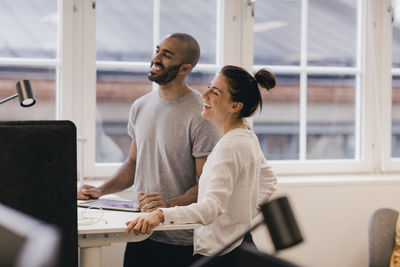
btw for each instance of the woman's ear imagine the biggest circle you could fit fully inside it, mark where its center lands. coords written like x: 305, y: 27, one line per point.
x: 236, y: 107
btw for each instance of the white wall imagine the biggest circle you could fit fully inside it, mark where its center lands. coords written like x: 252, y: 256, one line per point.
x: 333, y: 217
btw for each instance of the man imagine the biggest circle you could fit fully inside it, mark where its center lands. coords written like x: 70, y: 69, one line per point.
x: 170, y: 144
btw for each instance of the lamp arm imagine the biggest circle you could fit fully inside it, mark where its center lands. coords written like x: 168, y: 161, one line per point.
x: 8, y: 98
x: 205, y: 260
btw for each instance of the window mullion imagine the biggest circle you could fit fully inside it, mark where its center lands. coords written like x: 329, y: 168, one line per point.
x: 69, y: 75
x: 231, y: 37
x: 65, y: 82
x: 303, y: 82
x: 247, y: 53
x: 358, y: 137
x: 387, y: 40
x: 86, y: 45
x: 377, y: 84
x: 385, y: 82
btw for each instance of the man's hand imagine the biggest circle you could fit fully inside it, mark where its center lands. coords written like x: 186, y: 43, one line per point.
x: 151, y: 201
x: 88, y: 192
x: 145, y: 223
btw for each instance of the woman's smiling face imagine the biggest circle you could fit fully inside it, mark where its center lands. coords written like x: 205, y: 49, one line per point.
x: 217, y: 101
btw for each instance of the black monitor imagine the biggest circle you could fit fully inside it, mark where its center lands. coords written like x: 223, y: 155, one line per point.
x: 38, y: 177
x: 26, y: 241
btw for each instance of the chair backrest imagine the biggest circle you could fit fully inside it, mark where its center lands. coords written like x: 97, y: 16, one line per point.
x: 26, y: 241
x: 382, y: 236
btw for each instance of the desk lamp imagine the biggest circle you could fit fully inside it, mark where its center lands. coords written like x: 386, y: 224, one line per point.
x: 282, y: 226
x: 24, y: 92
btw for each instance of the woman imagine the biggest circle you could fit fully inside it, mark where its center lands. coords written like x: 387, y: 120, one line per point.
x: 236, y: 177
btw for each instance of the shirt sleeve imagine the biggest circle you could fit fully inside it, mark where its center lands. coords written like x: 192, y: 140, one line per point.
x: 224, y: 173
x: 204, y: 138
x: 267, y: 182
x: 130, y: 126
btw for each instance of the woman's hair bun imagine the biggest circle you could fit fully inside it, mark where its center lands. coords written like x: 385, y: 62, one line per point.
x: 265, y: 78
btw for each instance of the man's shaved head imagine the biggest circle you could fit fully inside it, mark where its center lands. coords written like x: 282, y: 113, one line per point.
x: 192, y: 53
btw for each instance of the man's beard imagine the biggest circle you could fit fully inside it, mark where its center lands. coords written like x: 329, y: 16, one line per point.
x: 167, y: 76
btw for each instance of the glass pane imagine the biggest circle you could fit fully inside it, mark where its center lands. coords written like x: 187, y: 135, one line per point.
x: 396, y: 117
x: 330, y: 117
x: 125, y: 33
x: 29, y: 29
x: 44, y: 89
x: 332, y: 32
x: 277, y: 32
x: 277, y: 126
x: 116, y: 91
x: 197, y: 18
x: 124, y: 30
x: 199, y: 79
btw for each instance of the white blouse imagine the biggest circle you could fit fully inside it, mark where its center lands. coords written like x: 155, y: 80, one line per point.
x: 236, y: 179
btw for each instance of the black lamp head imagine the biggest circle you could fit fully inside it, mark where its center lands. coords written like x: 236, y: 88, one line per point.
x: 25, y: 93
x: 281, y: 223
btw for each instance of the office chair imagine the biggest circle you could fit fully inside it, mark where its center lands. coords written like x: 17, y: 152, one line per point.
x: 26, y: 241
x: 381, y: 237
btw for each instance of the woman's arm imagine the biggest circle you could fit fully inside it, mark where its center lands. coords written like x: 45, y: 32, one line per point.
x: 267, y: 183
x: 223, y: 174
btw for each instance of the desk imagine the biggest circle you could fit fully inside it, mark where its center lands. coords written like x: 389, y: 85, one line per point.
x: 110, y: 229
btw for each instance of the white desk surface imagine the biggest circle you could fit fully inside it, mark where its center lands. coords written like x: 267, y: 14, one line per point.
x: 114, y: 221
x: 104, y: 227
x: 107, y: 226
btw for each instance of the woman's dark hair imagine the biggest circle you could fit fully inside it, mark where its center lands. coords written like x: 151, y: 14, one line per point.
x: 244, y: 87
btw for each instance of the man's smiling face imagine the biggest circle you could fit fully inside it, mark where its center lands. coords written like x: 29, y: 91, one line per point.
x: 166, y: 61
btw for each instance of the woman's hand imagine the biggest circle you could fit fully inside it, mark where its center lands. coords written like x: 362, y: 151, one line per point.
x: 145, y: 223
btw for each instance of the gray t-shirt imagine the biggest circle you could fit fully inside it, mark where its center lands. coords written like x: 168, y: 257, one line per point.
x: 170, y: 134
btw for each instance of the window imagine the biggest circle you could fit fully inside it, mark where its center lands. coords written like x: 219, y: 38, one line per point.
x: 323, y: 116
x: 28, y: 50
x: 314, y: 112
x: 332, y: 110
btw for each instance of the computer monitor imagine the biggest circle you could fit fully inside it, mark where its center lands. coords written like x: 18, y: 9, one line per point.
x: 38, y: 177
x: 26, y: 241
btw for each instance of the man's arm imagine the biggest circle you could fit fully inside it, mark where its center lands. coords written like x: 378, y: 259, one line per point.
x: 152, y: 201
x: 123, y: 179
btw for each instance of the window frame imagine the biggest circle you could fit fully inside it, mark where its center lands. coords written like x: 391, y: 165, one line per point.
x: 77, y: 82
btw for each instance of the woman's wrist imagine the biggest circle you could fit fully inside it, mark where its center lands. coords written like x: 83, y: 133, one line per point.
x: 160, y: 215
